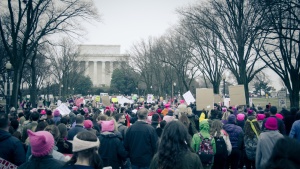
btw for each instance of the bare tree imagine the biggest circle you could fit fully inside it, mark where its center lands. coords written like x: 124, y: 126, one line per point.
x: 30, y: 23
x: 236, y: 24
x: 280, y: 41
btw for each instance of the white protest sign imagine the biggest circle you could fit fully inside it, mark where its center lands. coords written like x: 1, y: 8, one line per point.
x: 188, y: 97
x: 227, y: 102
x: 281, y: 98
x: 63, y: 109
x: 4, y: 164
x: 150, y: 98
x: 58, y: 102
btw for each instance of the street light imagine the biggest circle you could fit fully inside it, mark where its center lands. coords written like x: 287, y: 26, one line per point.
x: 8, y: 67
x: 173, y: 88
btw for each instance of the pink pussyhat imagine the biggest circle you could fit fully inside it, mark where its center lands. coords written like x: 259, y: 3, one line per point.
x: 41, y: 142
x: 182, y: 101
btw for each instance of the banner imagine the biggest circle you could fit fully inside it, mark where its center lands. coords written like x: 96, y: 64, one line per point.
x: 150, y: 98
x: 204, y: 99
x: 237, y: 95
x: 64, y: 110
x: 188, y: 97
x: 4, y: 164
x: 114, y: 100
x: 105, y: 101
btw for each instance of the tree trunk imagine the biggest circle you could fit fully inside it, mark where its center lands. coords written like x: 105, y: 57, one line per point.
x: 33, y: 88
x: 216, y: 88
x: 246, y: 89
x: 16, y: 86
x: 294, y: 94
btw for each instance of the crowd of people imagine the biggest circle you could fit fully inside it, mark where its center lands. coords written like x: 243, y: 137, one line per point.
x: 151, y: 135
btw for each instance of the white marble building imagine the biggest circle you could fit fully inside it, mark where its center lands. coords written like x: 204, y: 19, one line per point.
x: 100, y: 61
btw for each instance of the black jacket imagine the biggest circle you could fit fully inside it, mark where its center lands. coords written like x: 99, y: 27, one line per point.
x: 74, y: 131
x: 141, y: 143
x: 11, y: 148
x: 45, y: 162
x: 112, y: 150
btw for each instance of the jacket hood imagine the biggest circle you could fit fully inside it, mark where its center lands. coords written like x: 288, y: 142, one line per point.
x: 4, y: 135
x: 108, y: 134
x: 204, y: 125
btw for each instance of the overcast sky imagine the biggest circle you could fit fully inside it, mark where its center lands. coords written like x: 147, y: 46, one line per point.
x: 124, y: 22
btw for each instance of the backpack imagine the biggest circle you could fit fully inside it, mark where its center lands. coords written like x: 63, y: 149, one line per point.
x: 205, y: 151
x: 250, y: 147
x: 221, y: 147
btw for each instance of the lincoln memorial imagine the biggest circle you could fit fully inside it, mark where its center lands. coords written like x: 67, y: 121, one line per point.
x: 99, y: 62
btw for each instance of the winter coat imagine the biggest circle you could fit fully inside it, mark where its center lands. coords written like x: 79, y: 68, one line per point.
x: 236, y: 135
x: 188, y: 160
x: 265, y: 145
x: 122, y: 129
x: 45, y: 162
x: 141, y: 143
x: 111, y: 151
x: 204, y: 130
x: 295, y: 131
x: 11, y: 148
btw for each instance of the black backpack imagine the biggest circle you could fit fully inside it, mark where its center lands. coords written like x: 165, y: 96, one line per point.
x: 221, y: 147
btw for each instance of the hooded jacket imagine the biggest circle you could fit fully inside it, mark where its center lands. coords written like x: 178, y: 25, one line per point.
x: 204, y: 130
x: 235, y: 132
x: 112, y: 151
x: 11, y: 148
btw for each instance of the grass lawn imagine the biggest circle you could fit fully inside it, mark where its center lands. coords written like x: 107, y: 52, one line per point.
x: 264, y: 101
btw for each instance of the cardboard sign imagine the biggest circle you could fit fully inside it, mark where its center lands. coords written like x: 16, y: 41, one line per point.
x: 58, y: 102
x: 105, y: 101
x: 237, y: 95
x: 63, y: 109
x: 97, y: 98
x: 4, y: 164
x: 217, y: 98
x: 188, y: 97
x: 204, y: 99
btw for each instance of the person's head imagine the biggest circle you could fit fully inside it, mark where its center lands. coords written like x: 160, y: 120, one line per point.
x: 4, y: 122
x: 64, y: 120
x: 271, y: 123
x: 48, y: 112
x: 214, y: 114
x: 88, y: 124
x: 175, y: 140
x: 41, y: 126
x: 204, y: 125
x: 216, y: 127
x: 34, y: 116
x: 120, y: 118
x: 109, y: 126
x: 62, y: 128
x: 285, y: 154
x: 252, y: 128
x: 14, y: 124
x: 185, y: 120
x: 155, y: 117
x: 85, y: 148
x: 41, y: 142
x: 142, y: 114
x: 79, y: 119
x: 162, y: 124
x: 273, y: 110
x: 240, y: 117
x: 54, y: 131
x: 231, y: 119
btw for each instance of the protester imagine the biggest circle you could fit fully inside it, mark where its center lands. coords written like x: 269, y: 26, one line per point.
x: 120, y: 119
x: 174, y: 150
x: 281, y: 126
x: 85, y: 152
x: 63, y: 146
x: 295, y: 131
x: 111, y: 151
x: 42, y: 143
x: 11, y: 148
x: 266, y: 142
x: 88, y: 125
x: 34, y: 117
x: 236, y: 136
x: 78, y: 127
x: 141, y: 141
x: 220, y: 134
x: 197, y: 140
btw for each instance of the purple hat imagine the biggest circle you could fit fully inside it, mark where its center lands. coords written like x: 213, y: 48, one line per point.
x: 56, y: 113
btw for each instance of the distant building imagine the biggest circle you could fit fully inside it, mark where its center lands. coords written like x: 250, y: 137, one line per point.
x: 99, y: 62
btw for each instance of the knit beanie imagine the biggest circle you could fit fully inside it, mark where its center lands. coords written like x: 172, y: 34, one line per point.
x: 41, y: 143
x: 231, y: 119
x: 280, y: 116
x: 240, y: 117
x: 224, y: 109
x: 56, y: 113
x: 250, y: 112
x: 87, y: 124
x: 43, y: 112
x: 182, y: 101
x: 107, y: 126
x: 260, y: 117
x: 271, y: 123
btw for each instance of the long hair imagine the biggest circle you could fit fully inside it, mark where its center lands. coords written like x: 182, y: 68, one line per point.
x: 216, y: 126
x: 91, y: 153
x: 175, y: 141
x: 249, y: 132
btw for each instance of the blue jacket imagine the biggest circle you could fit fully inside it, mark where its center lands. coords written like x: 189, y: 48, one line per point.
x: 236, y: 135
x: 295, y: 131
x: 11, y: 148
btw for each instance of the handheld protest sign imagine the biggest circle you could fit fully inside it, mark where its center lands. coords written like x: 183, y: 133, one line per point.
x: 237, y: 95
x: 204, y: 99
x: 105, y: 100
x: 188, y: 97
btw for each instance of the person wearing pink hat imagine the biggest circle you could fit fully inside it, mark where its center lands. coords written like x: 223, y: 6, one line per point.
x: 42, y: 143
x: 266, y: 142
x: 88, y: 125
x: 281, y: 126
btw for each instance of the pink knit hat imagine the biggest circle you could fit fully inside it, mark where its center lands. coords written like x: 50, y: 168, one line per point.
x: 86, y: 110
x: 271, y: 123
x: 260, y: 117
x: 88, y: 124
x: 240, y: 117
x: 107, y: 125
x: 41, y: 143
x: 224, y: 109
x: 75, y: 108
x: 280, y: 116
x: 56, y: 113
x: 167, y: 105
x: 43, y: 112
x: 182, y: 101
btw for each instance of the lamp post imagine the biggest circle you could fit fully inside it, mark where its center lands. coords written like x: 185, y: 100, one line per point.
x: 173, y: 89
x: 151, y: 89
x: 8, y: 67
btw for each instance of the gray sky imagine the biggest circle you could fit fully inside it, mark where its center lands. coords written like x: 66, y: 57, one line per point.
x: 124, y: 22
